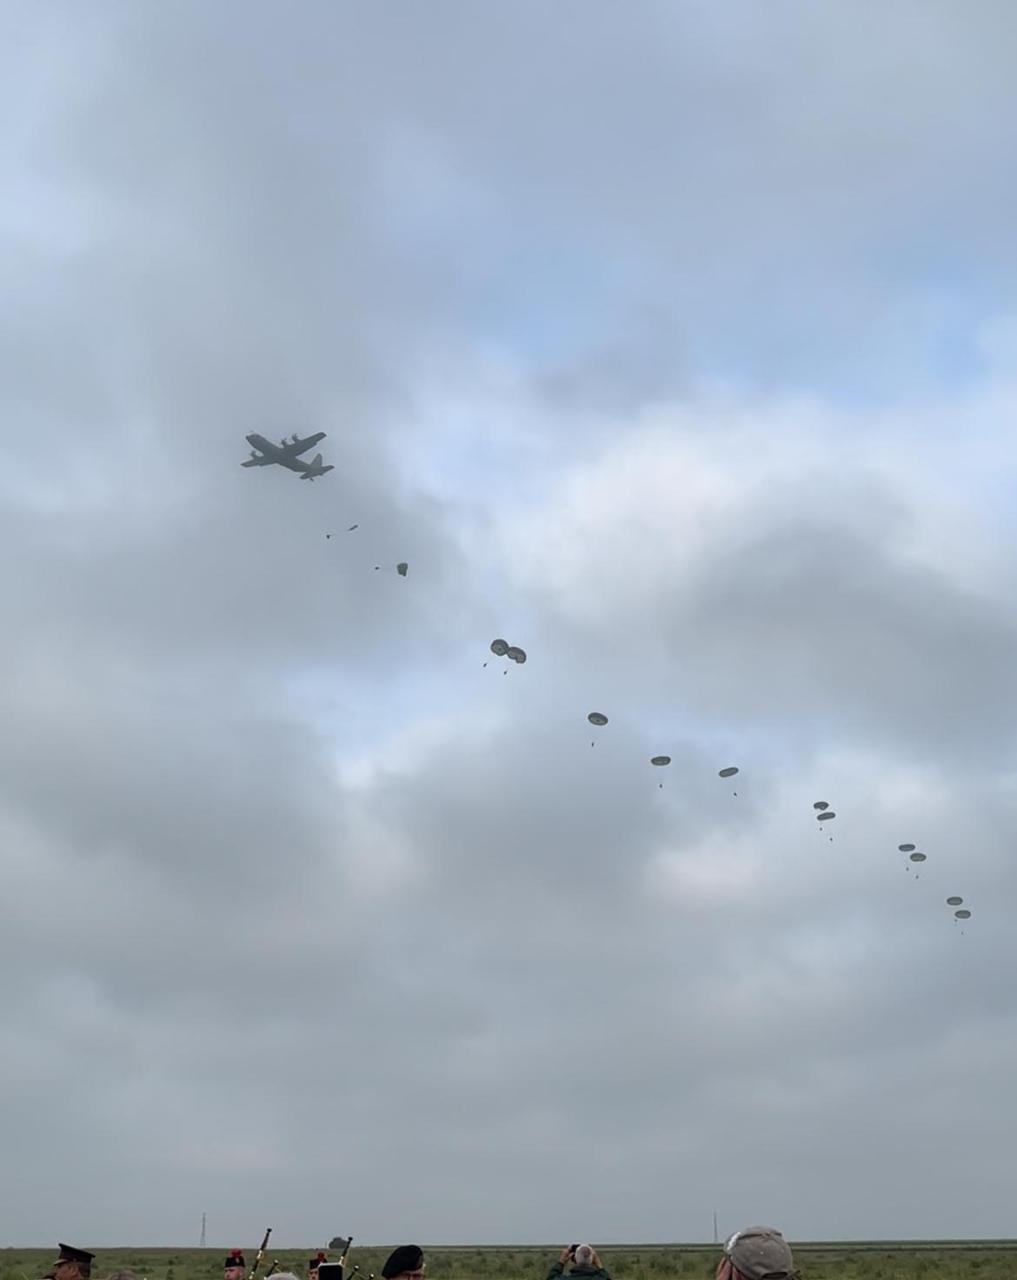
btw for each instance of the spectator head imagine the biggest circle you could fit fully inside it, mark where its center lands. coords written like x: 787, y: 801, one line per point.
x: 234, y: 1268
x: 406, y: 1262
x: 759, y: 1253
x: 71, y: 1264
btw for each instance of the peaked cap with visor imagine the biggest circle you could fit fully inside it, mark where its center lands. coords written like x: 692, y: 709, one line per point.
x: 68, y: 1253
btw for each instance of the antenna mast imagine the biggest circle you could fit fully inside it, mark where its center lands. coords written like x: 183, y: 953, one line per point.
x: 203, y: 1231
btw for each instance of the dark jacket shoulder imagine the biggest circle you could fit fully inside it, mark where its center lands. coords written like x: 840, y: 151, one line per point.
x: 589, y: 1273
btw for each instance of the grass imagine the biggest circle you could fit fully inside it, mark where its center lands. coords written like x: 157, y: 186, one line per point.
x: 879, y: 1260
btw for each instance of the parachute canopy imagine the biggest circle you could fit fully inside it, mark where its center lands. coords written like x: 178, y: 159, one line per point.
x: 918, y: 857
x: 963, y: 914
x: 825, y: 816
x: 595, y: 717
x: 659, y: 760
x: 820, y: 804
x: 729, y: 772
x: 906, y: 848
x: 502, y: 649
x: 954, y: 902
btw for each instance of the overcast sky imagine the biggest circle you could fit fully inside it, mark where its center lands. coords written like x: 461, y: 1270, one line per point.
x: 674, y: 342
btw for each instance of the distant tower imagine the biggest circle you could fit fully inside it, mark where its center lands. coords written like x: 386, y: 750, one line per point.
x: 203, y: 1231
x: 714, y: 1228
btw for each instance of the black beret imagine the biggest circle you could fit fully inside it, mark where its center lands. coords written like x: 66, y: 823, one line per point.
x: 407, y: 1257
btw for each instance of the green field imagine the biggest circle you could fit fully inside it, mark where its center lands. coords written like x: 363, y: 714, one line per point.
x: 879, y: 1260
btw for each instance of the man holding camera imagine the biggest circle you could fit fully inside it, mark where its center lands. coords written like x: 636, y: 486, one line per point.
x: 584, y: 1263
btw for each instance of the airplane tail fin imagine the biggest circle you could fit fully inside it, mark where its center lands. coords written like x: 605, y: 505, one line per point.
x: 315, y: 468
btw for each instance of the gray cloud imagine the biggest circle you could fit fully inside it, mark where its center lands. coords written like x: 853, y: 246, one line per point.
x: 310, y: 917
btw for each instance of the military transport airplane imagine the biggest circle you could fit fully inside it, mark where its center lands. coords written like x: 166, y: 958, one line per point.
x: 287, y: 454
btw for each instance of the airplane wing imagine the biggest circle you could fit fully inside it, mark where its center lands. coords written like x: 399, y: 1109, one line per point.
x: 295, y: 446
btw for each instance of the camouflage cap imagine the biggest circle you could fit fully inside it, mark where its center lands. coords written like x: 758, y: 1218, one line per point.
x: 760, y: 1253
